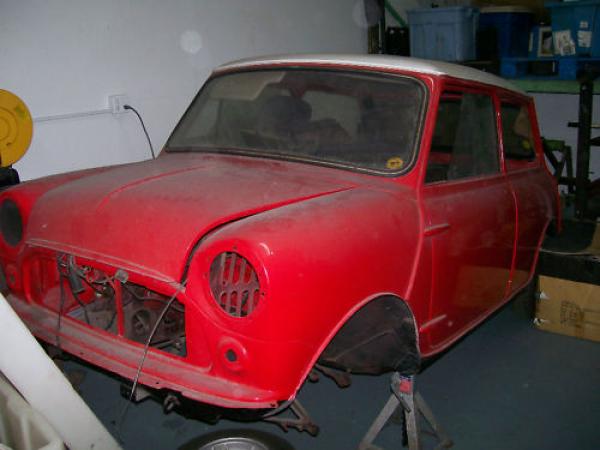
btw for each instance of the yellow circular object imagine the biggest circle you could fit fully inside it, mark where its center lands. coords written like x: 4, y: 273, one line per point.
x: 16, y: 128
x: 395, y: 163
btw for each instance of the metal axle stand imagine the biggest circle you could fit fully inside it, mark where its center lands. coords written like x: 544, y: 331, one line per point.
x: 404, y: 395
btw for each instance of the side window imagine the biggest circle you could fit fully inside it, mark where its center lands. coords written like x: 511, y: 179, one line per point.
x: 516, y: 133
x: 465, y: 139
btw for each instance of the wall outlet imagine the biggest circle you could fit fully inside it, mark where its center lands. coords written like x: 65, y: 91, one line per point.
x: 116, y: 103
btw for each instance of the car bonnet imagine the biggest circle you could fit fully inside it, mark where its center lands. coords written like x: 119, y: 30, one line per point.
x: 148, y: 216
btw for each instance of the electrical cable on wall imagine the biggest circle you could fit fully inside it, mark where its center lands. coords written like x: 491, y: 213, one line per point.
x: 7, y: 97
x: 143, y: 127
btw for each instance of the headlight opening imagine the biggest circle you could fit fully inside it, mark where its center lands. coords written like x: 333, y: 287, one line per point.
x: 11, y: 222
x: 234, y: 284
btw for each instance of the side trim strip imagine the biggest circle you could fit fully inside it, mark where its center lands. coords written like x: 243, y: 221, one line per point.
x: 436, y: 229
x: 431, y: 323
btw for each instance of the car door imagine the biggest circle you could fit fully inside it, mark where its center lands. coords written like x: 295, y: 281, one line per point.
x: 470, y: 215
x: 530, y: 183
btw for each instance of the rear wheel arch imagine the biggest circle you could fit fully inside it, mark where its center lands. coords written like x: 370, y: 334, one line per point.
x: 381, y: 336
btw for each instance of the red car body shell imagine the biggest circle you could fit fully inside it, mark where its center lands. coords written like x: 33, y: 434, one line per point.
x: 324, y: 242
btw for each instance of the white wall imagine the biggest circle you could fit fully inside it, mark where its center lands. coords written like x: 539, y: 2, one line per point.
x: 401, y: 6
x: 66, y: 56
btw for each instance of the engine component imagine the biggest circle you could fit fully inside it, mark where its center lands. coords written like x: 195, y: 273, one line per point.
x: 118, y: 306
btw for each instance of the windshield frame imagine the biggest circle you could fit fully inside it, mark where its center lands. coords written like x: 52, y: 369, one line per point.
x: 301, y: 158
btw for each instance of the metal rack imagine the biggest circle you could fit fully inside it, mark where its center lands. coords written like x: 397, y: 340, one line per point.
x: 584, y: 87
x: 584, y: 141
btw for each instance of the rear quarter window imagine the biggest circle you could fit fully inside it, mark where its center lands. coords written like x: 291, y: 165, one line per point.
x: 517, y: 135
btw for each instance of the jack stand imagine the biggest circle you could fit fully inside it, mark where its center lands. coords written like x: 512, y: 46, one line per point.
x: 404, y: 395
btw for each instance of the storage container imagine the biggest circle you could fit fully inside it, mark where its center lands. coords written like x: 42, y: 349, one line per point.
x: 576, y: 28
x: 446, y: 34
x: 510, y: 25
x: 569, y: 288
x: 569, y: 307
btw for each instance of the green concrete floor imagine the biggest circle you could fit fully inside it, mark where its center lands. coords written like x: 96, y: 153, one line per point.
x: 505, y: 386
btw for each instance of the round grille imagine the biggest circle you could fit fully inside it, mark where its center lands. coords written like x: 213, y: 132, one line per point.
x: 234, y: 284
x: 11, y: 223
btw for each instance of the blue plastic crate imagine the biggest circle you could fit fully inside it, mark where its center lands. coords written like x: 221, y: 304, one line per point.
x: 576, y: 28
x: 446, y: 34
x: 512, y: 26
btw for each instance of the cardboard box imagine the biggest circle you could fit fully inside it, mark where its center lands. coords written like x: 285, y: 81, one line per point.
x: 569, y: 307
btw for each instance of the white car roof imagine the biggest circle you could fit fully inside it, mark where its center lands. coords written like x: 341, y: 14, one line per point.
x: 378, y: 62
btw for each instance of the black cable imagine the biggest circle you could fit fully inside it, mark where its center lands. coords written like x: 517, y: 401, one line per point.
x: 98, y: 291
x: 142, y: 298
x: 83, y: 305
x: 72, y: 269
x: 60, y: 310
x: 143, y: 127
x: 112, y: 320
x: 145, y: 353
x: 61, y: 306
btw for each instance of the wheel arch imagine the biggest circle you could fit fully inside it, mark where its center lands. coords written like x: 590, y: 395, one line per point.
x: 398, y: 325
x: 379, y: 336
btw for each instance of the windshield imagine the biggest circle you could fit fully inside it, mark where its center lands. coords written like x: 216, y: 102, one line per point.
x: 352, y: 119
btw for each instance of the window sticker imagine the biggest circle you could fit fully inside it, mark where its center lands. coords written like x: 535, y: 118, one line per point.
x: 563, y: 43
x: 584, y: 38
x: 395, y: 163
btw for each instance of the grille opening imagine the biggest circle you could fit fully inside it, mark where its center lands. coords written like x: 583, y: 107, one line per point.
x: 141, y: 309
x: 95, y: 302
x: 234, y: 284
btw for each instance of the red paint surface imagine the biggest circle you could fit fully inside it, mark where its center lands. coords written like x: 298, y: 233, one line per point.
x: 323, y: 242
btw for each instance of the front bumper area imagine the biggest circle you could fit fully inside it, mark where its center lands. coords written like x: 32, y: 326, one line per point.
x: 122, y: 356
